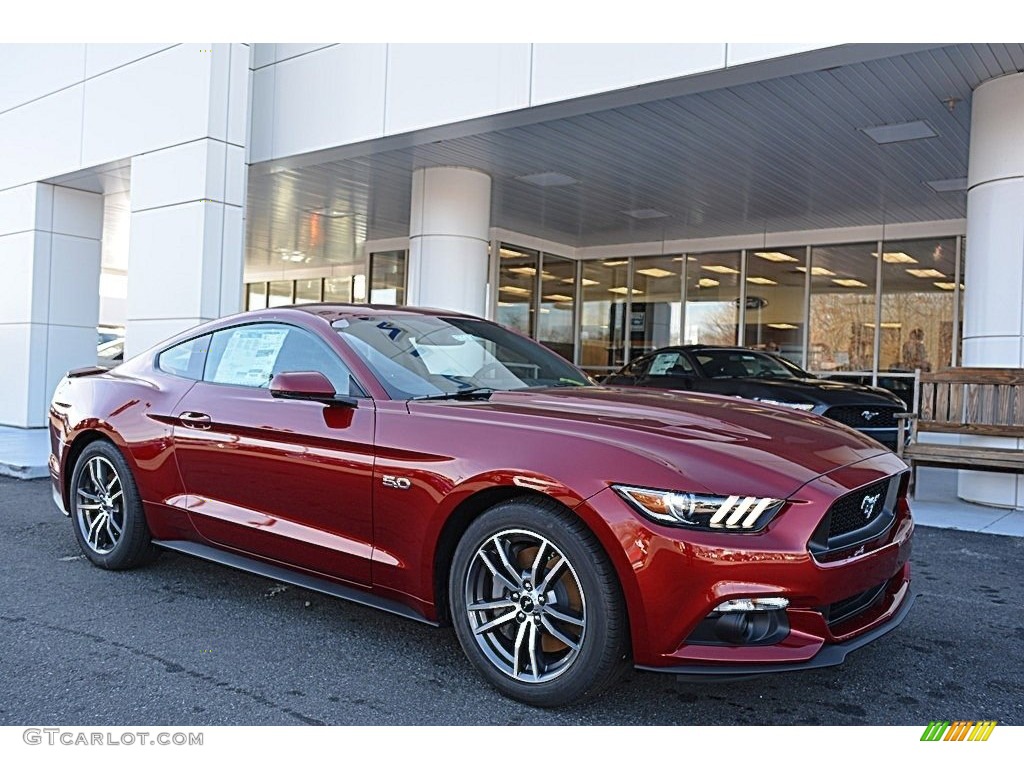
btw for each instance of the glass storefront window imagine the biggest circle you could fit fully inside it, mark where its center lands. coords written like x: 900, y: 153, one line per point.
x: 775, y: 301
x: 604, y: 285
x: 712, y: 298
x: 657, y: 308
x: 842, y: 320
x: 338, y: 290
x: 280, y: 293
x: 556, y: 327
x: 517, y: 279
x: 256, y: 296
x: 387, y: 277
x: 308, y: 291
x: 918, y: 285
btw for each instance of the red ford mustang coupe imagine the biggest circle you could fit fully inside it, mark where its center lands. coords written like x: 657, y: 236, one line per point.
x: 449, y: 470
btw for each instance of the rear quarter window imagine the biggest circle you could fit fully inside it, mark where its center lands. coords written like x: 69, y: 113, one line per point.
x: 186, y: 359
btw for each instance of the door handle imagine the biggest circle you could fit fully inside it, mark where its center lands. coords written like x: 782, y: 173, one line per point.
x: 195, y: 419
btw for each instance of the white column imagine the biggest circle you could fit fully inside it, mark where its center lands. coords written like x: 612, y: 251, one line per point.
x: 49, y: 295
x: 449, y: 226
x: 994, y: 277
x: 186, y: 245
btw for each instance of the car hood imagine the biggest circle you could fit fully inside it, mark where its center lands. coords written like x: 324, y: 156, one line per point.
x: 816, y: 391
x: 719, y: 444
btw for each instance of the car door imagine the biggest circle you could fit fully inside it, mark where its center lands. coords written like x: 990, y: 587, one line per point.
x: 287, y: 480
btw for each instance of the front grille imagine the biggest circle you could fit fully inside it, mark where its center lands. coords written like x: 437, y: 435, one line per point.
x: 865, y: 416
x: 857, y: 510
x: 857, y: 518
x: 840, y: 611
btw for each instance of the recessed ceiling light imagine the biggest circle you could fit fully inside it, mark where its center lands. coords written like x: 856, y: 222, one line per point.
x: 894, y: 132
x: 707, y: 282
x: 623, y: 290
x: 817, y: 271
x: 514, y: 289
x: 531, y: 271
x: 615, y: 262
x: 557, y: 297
x: 655, y: 272
x: 645, y: 213
x: 722, y: 270
x: 775, y: 256
x: 884, y: 325
x: 896, y: 257
x: 508, y: 253
x: 849, y: 282
x: 948, y: 185
x: 330, y: 213
x: 761, y: 281
x: 783, y: 326
x: 925, y: 273
x: 947, y: 286
x: 548, y: 179
x: 585, y: 281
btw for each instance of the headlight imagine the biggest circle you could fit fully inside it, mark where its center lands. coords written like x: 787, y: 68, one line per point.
x: 744, y: 514
x: 798, y: 406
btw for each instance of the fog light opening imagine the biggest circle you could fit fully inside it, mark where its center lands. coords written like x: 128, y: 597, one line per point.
x: 744, y: 621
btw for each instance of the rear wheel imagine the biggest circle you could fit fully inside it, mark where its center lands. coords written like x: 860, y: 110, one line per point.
x: 109, y: 522
x: 536, y: 605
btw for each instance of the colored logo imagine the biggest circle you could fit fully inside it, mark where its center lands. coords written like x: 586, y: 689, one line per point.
x: 961, y: 730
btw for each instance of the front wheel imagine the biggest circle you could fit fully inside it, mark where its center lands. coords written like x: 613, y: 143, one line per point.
x: 537, y: 606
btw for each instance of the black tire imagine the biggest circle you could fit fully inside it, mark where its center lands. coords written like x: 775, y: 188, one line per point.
x: 97, y: 536
x: 549, y: 671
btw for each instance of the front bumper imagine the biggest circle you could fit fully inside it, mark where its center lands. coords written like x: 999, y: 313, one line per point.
x: 673, y: 578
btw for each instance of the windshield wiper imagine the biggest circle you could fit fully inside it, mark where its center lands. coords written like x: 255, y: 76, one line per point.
x: 471, y: 393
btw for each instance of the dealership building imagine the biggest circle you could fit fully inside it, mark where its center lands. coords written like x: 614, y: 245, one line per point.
x: 857, y: 208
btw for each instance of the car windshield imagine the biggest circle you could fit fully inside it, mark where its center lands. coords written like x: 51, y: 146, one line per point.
x: 416, y: 356
x: 746, y: 364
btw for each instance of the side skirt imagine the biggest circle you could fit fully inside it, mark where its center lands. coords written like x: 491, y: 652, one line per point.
x: 296, y: 578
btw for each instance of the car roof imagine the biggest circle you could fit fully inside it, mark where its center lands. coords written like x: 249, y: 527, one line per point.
x: 710, y: 348
x: 334, y: 311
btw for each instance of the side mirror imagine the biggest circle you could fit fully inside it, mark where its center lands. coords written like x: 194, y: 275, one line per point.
x: 308, y: 385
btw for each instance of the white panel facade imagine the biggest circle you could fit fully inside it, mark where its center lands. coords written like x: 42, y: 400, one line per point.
x: 103, y: 57
x: 31, y: 71
x: 48, y: 135
x: 323, y: 99
x: 437, y: 84
x: 746, y: 53
x: 566, y: 71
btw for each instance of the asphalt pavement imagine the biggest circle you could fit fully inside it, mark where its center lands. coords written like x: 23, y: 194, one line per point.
x: 185, y: 642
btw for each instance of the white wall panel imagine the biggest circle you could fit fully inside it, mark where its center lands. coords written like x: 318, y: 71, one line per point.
x: 263, y: 54
x: 324, y: 99
x: 238, y: 95
x: 103, y: 57
x: 185, y: 173
x: 261, y: 127
x: 284, y: 51
x: 74, y: 282
x: 24, y: 290
x: 25, y: 392
x: 77, y: 213
x: 26, y: 207
x: 48, y: 136
x: 436, y: 84
x: 30, y: 71
x: 565, y: 71
x: 156, y: 102
x: 745, y: 53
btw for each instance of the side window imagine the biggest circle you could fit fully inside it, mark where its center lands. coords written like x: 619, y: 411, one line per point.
x: 670, y: 364
x: 251, y: 355
x: 185, y: 359
x: 638, y: 367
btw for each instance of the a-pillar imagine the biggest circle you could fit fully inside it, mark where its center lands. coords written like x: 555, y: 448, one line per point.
x: 449, y: 227
x: 994, y: 277
x: 49, y: 295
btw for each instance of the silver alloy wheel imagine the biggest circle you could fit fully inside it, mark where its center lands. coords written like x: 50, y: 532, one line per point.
x: 526, y: 606
x: 99, y: 505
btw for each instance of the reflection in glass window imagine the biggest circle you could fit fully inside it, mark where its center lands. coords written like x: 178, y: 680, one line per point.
x: 842, y: 321
x: 775, y: 301
x: 280, y: 293
x: 712, y: 296
x: 602, y: 333
x: 918, y: 283
x: 338, y: 290
x: 656, y: 312
x: 256, y: 296
x: 308, y: 291
x: 517, y: 278
x: 387, y: 277
x: 556, y: 323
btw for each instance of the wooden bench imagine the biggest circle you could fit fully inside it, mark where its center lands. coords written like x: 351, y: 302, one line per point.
x: 986, y: 402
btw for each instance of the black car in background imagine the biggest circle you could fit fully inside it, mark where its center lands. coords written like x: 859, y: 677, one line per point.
x: 768, y: 378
